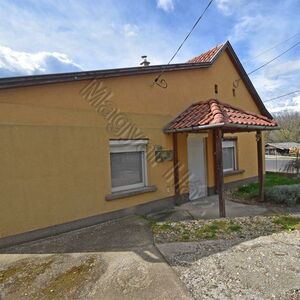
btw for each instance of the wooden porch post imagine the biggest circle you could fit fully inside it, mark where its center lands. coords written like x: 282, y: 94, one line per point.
x: 176, y: 171
x: 219, y: 170
x: 261, y: 178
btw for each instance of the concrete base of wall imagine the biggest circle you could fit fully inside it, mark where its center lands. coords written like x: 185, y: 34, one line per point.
x: 158, y: 205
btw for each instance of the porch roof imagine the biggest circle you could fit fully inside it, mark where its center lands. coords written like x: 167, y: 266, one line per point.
x: 213, y: 113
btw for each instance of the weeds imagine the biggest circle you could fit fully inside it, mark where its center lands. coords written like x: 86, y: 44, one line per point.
x: 288, y: 222
x: 184, y: 232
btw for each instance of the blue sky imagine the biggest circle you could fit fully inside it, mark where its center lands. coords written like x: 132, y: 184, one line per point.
x: 39, y: 36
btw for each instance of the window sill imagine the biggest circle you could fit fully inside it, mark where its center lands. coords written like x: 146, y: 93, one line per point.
x: 234, y: 172
x: 129, y: 193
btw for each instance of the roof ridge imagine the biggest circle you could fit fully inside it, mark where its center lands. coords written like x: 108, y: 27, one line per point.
x: 214, y: 113
x: 218, y: 102
x: 216, y: 110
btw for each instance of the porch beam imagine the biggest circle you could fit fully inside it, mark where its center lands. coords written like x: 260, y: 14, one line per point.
x: 219, y: 170
x: 176, y: 169
x: 260, y: 168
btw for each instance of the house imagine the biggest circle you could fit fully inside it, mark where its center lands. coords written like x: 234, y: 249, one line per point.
x: 80, y: 148
x: 280, y: 148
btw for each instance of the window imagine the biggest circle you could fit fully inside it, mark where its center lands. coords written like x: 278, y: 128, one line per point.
x: 229, y: 156
x: 128, y: 164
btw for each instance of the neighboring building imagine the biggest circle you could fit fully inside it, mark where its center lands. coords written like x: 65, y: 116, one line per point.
x: 280, y: 148
x: 80, y: 148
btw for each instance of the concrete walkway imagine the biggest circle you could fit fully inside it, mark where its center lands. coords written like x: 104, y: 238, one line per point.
x: 113, y: 260
x: 208, y: 208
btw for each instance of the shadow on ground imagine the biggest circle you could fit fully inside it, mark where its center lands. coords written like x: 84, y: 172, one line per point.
x: 112, y: 260
x: 132, y: 233
x: 118, y: 235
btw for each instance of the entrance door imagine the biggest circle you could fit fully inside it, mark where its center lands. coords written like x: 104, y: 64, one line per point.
x: 197, y: 166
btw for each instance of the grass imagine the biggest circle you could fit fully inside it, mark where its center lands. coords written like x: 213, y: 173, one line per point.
x: 161, y: 227
x: 271, y: 179
x: 217, y: 228
x: 212, y: 230
x: 234, y: 227
x: 288, y: 223
x: 187, y: 231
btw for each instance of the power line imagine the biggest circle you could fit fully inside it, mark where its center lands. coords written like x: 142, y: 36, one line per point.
x: 276, y: 57
x: 273, y: 47
x: 236, y: 81
x: 294, y: 92
x: 194, y: 26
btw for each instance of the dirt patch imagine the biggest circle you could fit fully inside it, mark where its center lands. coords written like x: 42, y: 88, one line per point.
x: 50, y: 277
x: 67, y: 283
x: 17, y: 277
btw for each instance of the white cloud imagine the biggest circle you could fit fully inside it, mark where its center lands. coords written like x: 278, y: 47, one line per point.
x: 130, y: 30
x: 23, y: 63
x: 227, y: 7
x: 278, y: 79
x: 246, y: 25
x: 267, y: 84
x: 292, y: 104
x: 166, y: 5
x: 285, y: 68
x: 91, y: 36
x: 255, y: 27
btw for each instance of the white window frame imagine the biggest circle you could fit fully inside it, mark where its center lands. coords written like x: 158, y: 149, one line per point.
x: 231, y: 144
x: 119, y: 146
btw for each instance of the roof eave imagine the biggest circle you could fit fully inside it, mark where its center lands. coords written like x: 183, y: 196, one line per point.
x: 223, y: 126
x: 193, y: 128
x: 32, y: 80
x: 251, y: 127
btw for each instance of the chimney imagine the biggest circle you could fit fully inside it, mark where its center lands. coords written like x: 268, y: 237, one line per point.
x: 145, y: 62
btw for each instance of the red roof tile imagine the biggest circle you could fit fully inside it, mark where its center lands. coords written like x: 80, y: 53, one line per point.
x: 214, y: 112
x: 206, y: 56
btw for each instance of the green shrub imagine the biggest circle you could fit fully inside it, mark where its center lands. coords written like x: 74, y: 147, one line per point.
x: 283, y: 194
x: 271, y: 179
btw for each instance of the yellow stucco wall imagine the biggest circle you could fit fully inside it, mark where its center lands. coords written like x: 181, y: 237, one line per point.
x: 54, y: 155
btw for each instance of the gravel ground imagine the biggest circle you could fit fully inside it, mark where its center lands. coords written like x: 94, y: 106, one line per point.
x: 267, y: 267
x: 243, y: 228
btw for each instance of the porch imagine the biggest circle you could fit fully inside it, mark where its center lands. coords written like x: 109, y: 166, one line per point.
x: 218, y: 118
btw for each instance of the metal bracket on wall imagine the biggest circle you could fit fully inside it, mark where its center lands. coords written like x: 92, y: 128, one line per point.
x: 162, y: 155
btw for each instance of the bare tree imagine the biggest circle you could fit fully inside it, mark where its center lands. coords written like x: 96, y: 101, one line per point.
x: 289, y: 122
